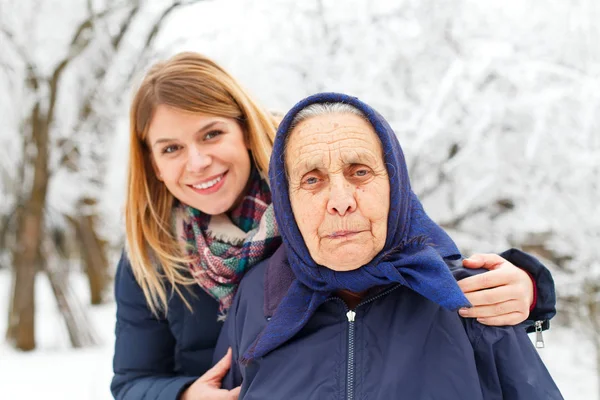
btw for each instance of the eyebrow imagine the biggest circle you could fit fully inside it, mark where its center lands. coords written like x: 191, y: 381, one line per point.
x: 359, y: 157
x: 202, y: 129
x: 316, y: 162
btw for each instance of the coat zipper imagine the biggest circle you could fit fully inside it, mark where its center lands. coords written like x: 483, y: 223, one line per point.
x: 539, y: 339
x: 350, y: 369
x: 351, y: 316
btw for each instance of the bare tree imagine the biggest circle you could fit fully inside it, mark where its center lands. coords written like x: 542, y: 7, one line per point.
x: 96, y: 47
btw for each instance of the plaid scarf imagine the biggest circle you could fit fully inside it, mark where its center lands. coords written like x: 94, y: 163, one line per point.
x: 223, y: 247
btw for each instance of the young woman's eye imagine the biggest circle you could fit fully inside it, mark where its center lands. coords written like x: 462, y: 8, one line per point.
x: 212, y: 134
x: 170, y: 149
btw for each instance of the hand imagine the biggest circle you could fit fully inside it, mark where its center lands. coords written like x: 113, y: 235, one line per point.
x: 501, y: 296
x: 208, y: 386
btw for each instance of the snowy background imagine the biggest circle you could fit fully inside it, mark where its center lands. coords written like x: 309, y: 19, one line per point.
x: 496, y: 103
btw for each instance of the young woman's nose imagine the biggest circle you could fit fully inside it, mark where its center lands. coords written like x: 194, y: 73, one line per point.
x: 341, y: 198
x: 197, y: 160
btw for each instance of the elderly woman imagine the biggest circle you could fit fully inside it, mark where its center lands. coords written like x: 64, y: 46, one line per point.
x: 359, y: 302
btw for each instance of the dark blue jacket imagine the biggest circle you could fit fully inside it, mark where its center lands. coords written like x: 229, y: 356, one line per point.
x: 394, y: 344
x: 157, y: 358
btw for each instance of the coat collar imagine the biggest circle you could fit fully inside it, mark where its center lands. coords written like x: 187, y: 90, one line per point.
x: 278, y: 279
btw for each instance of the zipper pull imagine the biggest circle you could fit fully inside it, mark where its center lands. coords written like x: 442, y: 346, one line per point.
x: 351, y: 314
x: 539, y: 339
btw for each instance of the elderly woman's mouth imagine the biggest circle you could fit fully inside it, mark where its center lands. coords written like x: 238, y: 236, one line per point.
x: 343, y: 234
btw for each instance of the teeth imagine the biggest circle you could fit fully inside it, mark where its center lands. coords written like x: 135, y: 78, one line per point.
x: 209, y: 184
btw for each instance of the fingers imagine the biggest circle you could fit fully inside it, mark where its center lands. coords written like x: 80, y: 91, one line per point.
x: 495, y: 310
x: 235, y: 393
x: 222, y: 394
x: 503, y: 320
x: 492, y: 296
x: 488, y: 261
x: 232, y: 394
x: 483, y: 281
x: 218, y: 371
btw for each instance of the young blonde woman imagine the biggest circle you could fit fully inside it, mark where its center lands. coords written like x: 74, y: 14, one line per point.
x: 198, y: 216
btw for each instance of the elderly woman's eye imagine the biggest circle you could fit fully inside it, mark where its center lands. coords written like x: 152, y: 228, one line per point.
x: 362, y: 172
x: 311, y: 180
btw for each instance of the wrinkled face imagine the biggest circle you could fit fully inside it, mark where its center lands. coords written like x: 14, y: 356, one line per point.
x: 339, y: 189
x: 203, y: 160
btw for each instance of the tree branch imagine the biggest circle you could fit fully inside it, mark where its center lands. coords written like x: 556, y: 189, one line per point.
x: 158, y: 23
x: 81, y: 39
x: 154, y: 33
x: 86, y: 108
x: 116, y: 40
x: 458, y: 219
x: 11, y: 39
x: 29, y: 66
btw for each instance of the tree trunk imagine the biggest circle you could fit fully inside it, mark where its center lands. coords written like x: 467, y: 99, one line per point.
x: 78, y: 325
x: 30, y: 225
x: 21, y: 328
x: 597, y: 346
x: 93, y: 255
x: 10, y: 330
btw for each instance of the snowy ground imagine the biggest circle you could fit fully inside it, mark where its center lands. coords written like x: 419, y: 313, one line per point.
x: 57, y: 372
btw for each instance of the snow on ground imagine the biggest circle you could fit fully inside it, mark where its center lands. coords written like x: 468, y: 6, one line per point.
x: 55, y: 371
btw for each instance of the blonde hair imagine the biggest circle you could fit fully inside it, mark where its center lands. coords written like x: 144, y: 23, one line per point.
x: 193, y: 83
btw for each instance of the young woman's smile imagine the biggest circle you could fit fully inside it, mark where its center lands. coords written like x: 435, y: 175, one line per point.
x: 209, y: 186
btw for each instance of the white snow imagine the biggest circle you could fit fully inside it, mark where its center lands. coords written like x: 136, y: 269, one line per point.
x: 54, y: 370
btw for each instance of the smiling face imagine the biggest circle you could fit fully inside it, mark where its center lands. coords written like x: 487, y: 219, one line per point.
x: 339, y: 189
x: 203, y: 160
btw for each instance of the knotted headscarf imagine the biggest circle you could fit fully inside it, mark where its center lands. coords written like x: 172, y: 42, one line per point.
x: 413, y: 254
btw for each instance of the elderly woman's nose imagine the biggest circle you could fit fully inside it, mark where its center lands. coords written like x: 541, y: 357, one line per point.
x: 341, y: 199
x: 197, y: 160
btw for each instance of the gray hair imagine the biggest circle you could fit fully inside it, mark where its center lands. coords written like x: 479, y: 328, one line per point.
x: 318, y: 109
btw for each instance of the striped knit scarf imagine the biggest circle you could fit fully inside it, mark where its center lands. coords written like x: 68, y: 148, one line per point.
x: 223, y: 247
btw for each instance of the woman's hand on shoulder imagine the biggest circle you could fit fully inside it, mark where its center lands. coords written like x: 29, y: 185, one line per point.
x: 501, y: 296
x: 208, y: 386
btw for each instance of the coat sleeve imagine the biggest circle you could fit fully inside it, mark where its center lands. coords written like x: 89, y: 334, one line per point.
x: 545, y: 305
x: 229, y: 338
x: 143, y: 362
x: 508, y: 365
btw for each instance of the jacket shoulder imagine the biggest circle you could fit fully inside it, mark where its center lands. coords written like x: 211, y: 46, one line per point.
x: 252, y: 286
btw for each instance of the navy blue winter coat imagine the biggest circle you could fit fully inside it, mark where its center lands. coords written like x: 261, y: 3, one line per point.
x: 158, y: 358
x: 394, y: 344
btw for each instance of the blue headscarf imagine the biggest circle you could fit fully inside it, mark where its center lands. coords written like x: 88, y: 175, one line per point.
x: 413, y: 254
